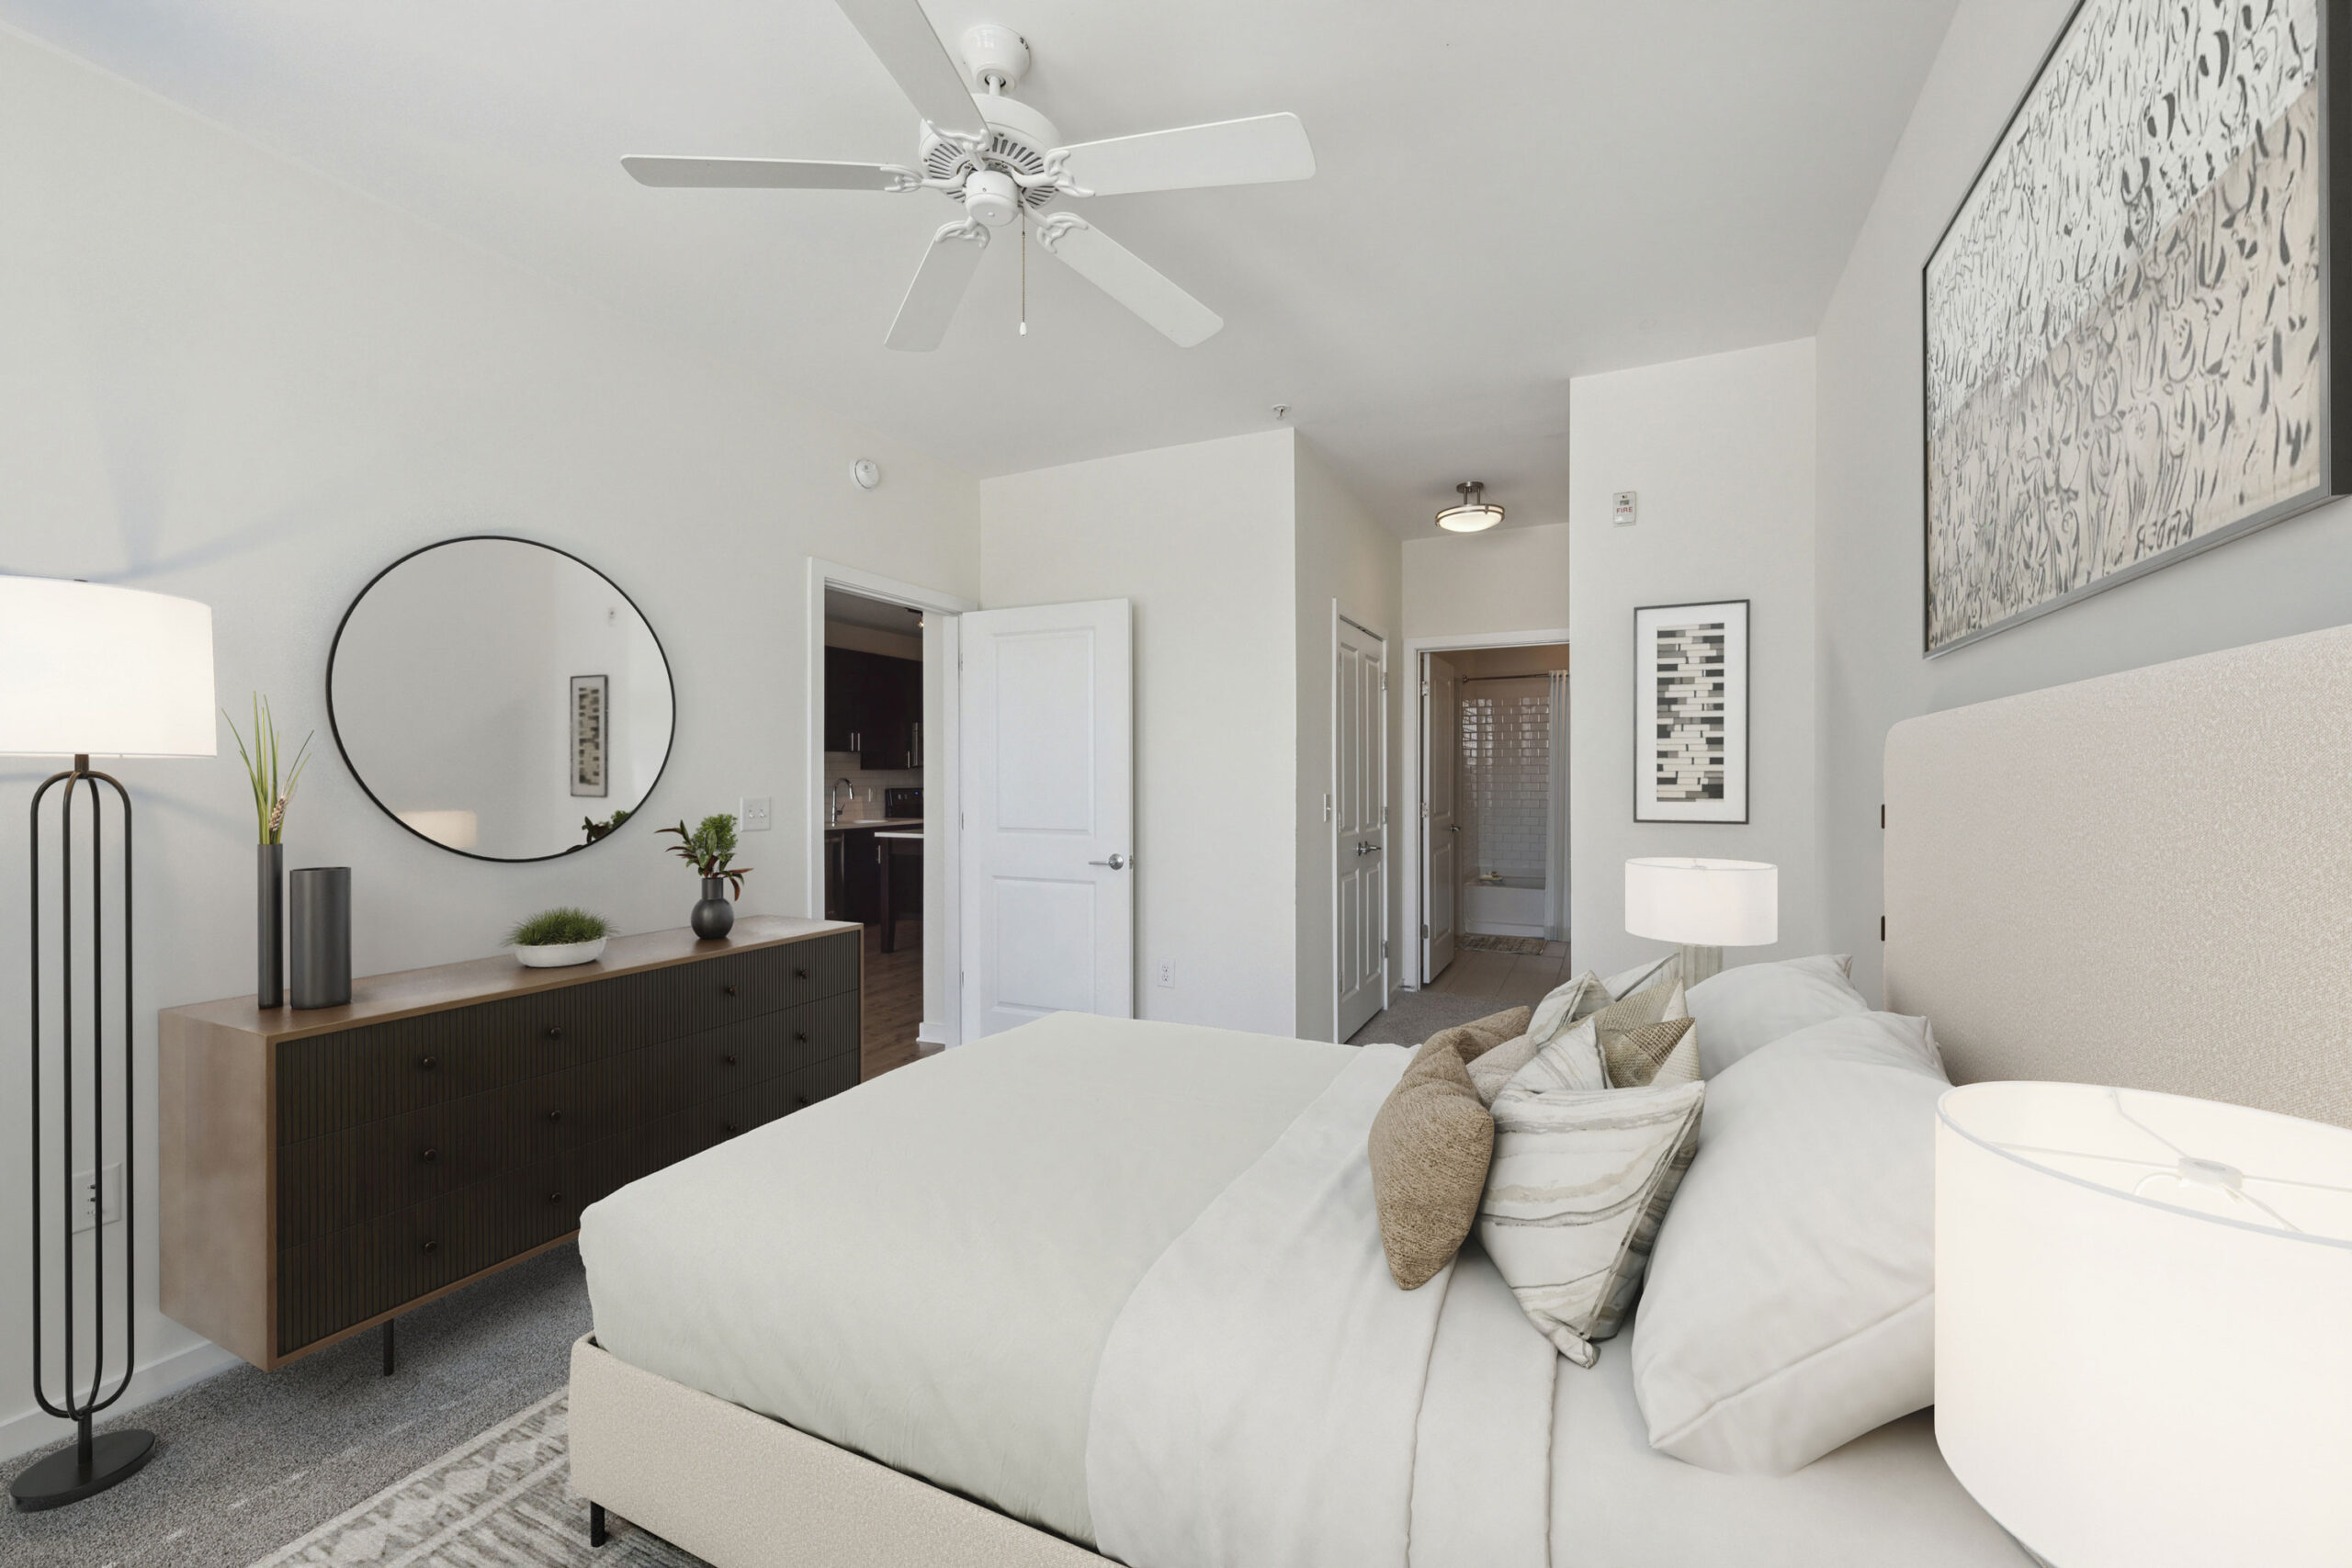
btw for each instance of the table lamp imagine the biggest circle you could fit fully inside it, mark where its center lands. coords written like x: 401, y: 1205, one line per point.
x: 1703, y: 907
x: 89, y: 671
x: 2143, y: 1325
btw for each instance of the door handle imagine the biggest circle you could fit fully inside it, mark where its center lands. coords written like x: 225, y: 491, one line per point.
x: 1116, y: 862
x: 1455, y: 829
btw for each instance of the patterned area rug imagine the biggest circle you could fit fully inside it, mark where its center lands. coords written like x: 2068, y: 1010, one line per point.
x: 501, y: 1500
x: 1532, y: 946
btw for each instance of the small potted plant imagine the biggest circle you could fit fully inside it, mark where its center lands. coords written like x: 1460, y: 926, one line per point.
x: 555, y: 939
x: 710, y: 849
x: 273, y: 790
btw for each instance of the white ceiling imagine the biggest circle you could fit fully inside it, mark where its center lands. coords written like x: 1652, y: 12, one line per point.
x: 1510, y: 193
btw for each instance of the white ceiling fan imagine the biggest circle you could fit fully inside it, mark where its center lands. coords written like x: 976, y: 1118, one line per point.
x: 1003, y: 160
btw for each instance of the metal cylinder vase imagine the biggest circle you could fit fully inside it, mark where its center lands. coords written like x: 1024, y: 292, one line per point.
x: 319, y: 927
x: 714, y: 916
x: 269, y: 925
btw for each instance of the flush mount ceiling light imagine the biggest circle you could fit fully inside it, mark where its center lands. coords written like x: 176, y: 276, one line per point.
x: 1475, y: 513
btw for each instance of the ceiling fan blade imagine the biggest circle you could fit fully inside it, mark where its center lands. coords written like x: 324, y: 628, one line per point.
x: 938, y: 288
x: 903, y: 38
x: 778, y: 173
x: 1231, y: 153
x: 1118, y: 272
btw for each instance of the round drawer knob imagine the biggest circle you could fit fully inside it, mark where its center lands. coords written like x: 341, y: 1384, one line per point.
x: 554, y: 1033
x: 432, y: 1246
x: 800, y: 1034
x: 431, y: 1156
x: 800, y: 974
x: 732, y: 1128
x: 731, y: 990
x: 555, y: 1115
x: 730, y: 1058
x: 427, y: 1064
x: 798, y: 1101
x: 555, y: 1197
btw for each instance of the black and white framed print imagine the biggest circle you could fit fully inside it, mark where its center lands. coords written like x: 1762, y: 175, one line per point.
x: 2130, y: 349
x: 1690, y: 713
x: 589, y: 696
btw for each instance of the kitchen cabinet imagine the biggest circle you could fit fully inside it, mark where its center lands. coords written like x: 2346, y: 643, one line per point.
x: 874, y: 707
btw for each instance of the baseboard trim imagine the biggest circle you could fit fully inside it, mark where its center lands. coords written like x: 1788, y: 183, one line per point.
x: 36, y: 1429
x: 927, y: 1033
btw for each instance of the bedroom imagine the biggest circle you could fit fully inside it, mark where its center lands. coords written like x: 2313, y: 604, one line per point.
x: 291, y: 294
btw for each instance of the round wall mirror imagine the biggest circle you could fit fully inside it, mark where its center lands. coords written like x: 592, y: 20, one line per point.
x: 499, y: 698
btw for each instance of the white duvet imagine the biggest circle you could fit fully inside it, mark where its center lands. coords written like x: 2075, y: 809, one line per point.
x: 1123, y: 1281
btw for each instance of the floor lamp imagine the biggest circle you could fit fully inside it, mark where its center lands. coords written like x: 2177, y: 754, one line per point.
x: 88, y: 670
x: 1704, y: 906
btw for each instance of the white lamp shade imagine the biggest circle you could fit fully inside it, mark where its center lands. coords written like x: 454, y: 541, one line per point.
x: 89, y: 670
x: 2142, y: 1360
x: 1704, y: 903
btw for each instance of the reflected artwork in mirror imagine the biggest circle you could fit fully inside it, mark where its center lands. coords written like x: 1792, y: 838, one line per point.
x: 499, y: 698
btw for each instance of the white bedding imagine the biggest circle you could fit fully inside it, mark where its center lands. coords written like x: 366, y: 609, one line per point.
x: 934, y: 1269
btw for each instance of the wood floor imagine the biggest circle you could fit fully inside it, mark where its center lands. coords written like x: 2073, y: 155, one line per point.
x: 1515, y: 977
x: 893, y: 1005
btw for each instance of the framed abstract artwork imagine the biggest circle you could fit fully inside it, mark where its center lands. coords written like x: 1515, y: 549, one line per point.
x: 2129, y: 350
x: 1690, y: 713
x: 589, y: 696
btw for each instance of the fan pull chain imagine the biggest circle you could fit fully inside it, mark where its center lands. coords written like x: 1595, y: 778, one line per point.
x: 1025, y: 270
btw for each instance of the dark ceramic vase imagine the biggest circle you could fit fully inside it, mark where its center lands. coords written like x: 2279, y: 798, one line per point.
x: 319, y: 899
x: 714, y: 916
x: 269, y: 925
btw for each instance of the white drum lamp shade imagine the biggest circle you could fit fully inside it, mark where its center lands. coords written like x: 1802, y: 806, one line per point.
x: 87, y: 669
x: 1704, y: 903
x: 2143, y: 1325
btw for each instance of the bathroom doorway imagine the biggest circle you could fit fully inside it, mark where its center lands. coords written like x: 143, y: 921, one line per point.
x: 1493, y: 780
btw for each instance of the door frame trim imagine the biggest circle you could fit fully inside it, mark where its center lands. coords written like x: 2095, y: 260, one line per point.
x: 1331, y: 824
x: 1406, y: 833
x: 942, y: 847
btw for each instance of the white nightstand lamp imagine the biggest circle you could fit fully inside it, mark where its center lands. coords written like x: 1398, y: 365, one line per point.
x: 1703, y: 907
x: 2143, y: 1325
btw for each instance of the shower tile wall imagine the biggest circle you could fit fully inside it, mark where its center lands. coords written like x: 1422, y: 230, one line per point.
x: 1506, y: 778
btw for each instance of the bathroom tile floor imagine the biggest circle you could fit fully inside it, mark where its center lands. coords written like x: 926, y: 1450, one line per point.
x: 1518, y: 978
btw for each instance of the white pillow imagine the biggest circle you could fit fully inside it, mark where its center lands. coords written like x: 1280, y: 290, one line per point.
x: 1643, y: 975
x: 1755, y: 1004
x: 1579, y: 1183
x: 1790, y: 1302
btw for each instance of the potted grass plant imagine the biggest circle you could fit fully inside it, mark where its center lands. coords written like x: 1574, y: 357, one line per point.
x: 556, y: 938
x: 710, y: 849
x: 273, y: 781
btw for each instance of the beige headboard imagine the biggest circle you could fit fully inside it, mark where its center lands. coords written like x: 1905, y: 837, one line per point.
x: 2144, y: 879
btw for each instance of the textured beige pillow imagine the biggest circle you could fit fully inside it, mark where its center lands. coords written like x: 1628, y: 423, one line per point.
x: 1430, y: 1145
x: 1473, y: 1041
x: 1661, y: 1052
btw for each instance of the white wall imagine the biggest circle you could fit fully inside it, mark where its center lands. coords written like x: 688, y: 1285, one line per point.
x: 1719, y: 449
x: 1343, y: 554
x: 228, y: 378
x: 1200, y: 538
x: 2294, y: 577
x: 1507, y: 580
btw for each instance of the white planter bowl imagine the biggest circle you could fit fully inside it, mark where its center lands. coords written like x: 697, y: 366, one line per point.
x: 560, y: 955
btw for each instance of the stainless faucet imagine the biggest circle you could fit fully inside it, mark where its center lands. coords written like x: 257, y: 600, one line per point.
x: 833, y: 796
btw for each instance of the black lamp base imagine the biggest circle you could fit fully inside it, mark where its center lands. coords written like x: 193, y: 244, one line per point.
x: 62, y: 1478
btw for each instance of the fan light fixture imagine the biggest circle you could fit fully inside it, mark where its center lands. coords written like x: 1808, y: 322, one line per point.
x: 1476, y: 513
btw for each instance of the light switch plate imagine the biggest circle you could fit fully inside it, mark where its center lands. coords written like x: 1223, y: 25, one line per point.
x: 757, y: 815
x: 1625, y: 508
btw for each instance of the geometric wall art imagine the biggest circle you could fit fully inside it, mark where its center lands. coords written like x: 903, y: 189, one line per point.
x: 2128, y: 351
x: 1690, y: 713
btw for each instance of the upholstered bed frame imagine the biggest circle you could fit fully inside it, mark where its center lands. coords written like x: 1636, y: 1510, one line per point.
x: 2144, y: 879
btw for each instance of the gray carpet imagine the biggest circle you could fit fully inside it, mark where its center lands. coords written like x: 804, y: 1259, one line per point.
x: 252, y: 1460
x: 1412, y: 1017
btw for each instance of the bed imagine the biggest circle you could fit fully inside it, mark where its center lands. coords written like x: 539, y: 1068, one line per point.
x: 1107, y: 1289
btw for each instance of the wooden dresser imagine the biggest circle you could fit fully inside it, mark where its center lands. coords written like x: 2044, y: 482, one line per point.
x: 324, y: 1171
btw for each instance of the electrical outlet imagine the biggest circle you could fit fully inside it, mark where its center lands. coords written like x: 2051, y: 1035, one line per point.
x: 1167, y: 973
x: 757, y: 814
x: 97, y: 1196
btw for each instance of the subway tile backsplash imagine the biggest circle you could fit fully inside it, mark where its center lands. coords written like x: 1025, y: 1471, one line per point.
x: 866, y: 804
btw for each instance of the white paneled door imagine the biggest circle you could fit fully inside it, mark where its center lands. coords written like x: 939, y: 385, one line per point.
x: 1360, y: 825
x: 1049, y: 802
x: 1441, y: 815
